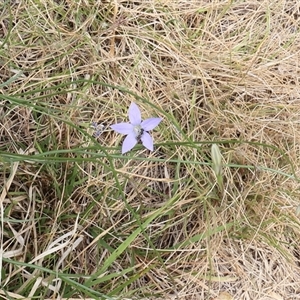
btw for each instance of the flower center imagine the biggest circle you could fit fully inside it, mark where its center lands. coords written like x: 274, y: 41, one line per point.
x: 137, y: 130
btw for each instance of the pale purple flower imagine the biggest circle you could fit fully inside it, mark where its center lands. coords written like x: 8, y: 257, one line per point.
x: 98, y: 129
x: 136, y: 129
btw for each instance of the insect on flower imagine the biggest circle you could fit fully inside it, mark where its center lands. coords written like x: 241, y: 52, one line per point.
x: 136, y: 130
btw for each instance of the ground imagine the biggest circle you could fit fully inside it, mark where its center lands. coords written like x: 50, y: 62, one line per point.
x: 213, y: 212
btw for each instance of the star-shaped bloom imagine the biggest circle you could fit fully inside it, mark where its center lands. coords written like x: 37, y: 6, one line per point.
x: 136, y: 129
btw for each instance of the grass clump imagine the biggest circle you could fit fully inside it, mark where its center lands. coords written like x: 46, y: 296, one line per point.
x: 211, y: 212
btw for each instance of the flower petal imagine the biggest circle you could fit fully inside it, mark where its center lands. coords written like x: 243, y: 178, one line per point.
x: 147, y: 141
x: 123, y: 128
x: 150, y: 123
x: 134, y: 114
x: 129, y: 142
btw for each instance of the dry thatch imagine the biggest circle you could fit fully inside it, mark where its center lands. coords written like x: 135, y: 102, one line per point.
x: 223, y: 71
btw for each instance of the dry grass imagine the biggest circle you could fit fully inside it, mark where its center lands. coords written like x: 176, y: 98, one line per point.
x: 79, y: 220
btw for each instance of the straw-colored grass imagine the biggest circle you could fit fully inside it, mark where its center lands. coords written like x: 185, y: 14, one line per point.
x: 79, y: 220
